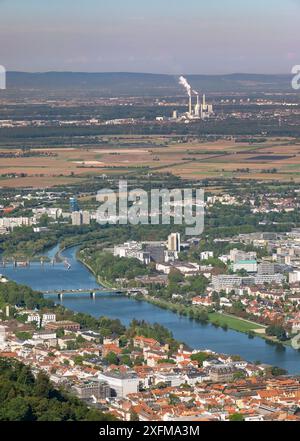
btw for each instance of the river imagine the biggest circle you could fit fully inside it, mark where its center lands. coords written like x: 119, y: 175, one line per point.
x: 52, y: 277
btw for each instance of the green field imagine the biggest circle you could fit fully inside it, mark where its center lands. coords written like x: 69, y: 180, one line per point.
x: 233, y: 323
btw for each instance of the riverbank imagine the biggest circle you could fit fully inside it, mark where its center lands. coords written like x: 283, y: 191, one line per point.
x: 222, y: 320
x: 217, y: 319
x: 197, y: 335
x: 99, y: 280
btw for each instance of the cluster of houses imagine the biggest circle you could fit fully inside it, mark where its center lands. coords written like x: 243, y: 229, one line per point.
x: 267, y: 287
x: 156, y: 385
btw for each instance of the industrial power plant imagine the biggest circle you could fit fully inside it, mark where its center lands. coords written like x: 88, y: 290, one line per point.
x: 197, y: 111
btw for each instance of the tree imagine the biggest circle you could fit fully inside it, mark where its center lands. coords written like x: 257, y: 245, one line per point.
x: 60, y: 333
x: 134, y: 416
x: 276, y: 371
x: 25, y: 376
x: 236, y: 417
x: 239, y: 375
x: 173, y: 400
x: 16, y: 409
x: 125, y: 359
x: 200, y: 357
x: 277, y: 331
x: 44, y: 220
x: 43, y: 386
x: 95, y: 415
x: 24, y: 398
x: 175, y: 277
x: 23, y: 335
x: 242, y: 272
x: 112, y: 358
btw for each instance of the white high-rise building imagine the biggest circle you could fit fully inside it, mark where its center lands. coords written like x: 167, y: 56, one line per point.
x: 86, y: 218
x: 174, y: 242
x: 76, y: 218
x: 81, y: 218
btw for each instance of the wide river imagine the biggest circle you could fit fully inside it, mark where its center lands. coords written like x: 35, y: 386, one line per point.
x: 52, y: 277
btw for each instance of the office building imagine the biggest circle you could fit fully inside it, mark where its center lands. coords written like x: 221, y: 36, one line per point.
x: 236, y: 255
x: 228, y: 282
x: 265, y: 268
x: 121, y: 384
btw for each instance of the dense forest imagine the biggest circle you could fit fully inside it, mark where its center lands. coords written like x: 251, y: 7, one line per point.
x: 25, y: 397
x: 14, y: 294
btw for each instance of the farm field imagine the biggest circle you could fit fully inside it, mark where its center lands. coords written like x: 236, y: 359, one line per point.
x: 275, y: 159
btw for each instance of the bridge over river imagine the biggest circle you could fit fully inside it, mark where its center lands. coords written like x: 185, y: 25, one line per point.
x: 99, y: 290
x: 92, y: 292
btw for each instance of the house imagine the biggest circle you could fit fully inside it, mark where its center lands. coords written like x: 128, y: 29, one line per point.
x: 202, y: 301
x: 48, y: 317
x: 33, y: 318
x: 143, y: 342
x: 205, y: 255
x: 110, y: 347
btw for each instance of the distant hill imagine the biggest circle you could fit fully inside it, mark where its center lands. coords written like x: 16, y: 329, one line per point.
x: 141, y: 84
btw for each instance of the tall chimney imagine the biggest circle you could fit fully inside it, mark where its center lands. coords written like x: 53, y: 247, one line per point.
x: 190, y: 104
x: 197, y: 106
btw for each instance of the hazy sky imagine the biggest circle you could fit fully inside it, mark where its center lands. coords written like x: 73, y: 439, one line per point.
x: 167, y: 36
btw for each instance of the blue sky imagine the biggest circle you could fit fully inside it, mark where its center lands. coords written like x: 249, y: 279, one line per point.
x: 167, y: 36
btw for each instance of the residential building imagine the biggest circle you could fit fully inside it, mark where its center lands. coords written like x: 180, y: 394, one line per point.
x: 76, y: 218
x: 48, y: 317
x: 92, y: 388
x: 33, y: 318
x: 174, y: 242
x: 86, y: 218
x: 205, y: 255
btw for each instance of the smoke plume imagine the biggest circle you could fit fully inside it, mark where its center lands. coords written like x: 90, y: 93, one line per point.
x: 183, y: 82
